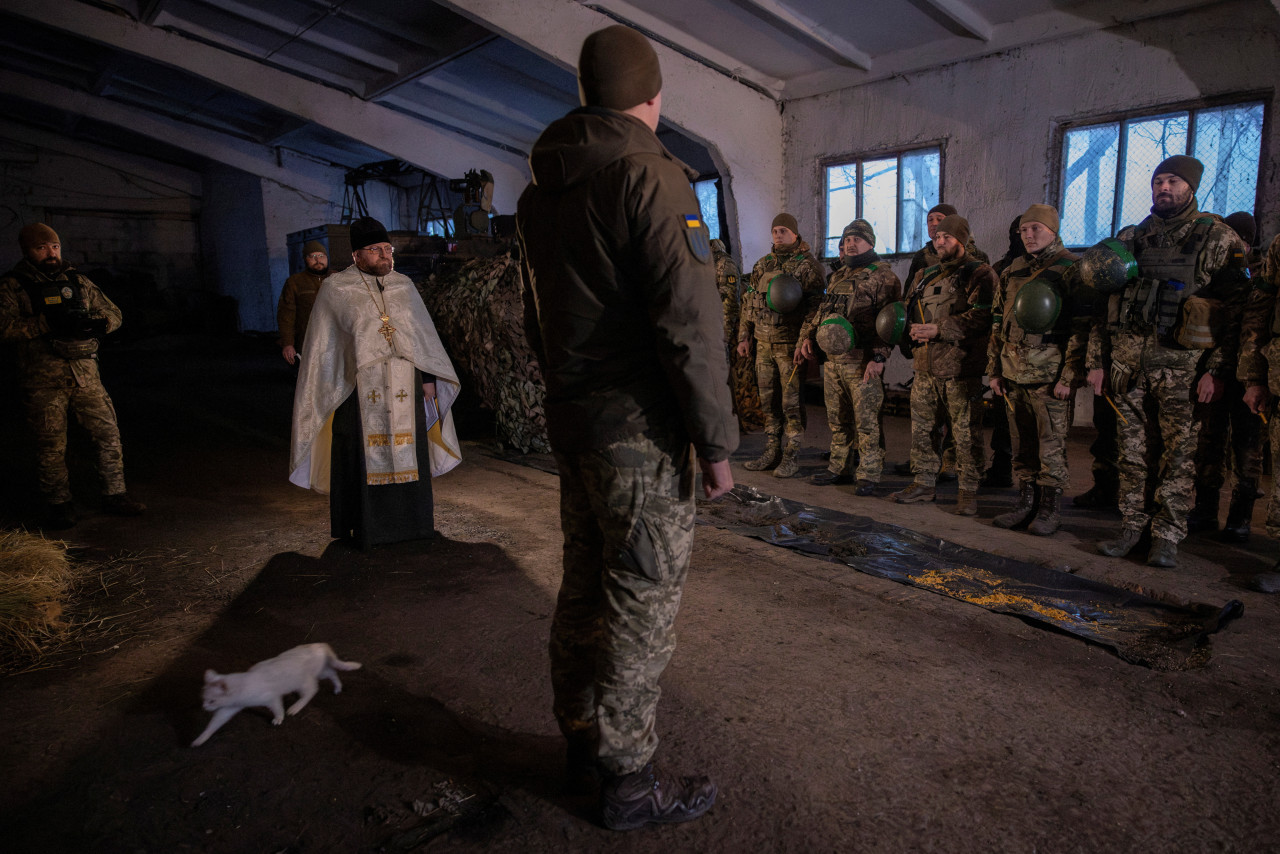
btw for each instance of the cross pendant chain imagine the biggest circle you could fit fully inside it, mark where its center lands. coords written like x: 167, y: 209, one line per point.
x: 387, y: 329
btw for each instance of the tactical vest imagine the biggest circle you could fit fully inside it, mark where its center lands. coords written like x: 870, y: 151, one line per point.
x: 60, y: 300
x: 770, y: 323
x: 1053, y: 274
x: 837, y: 301
x: 1167, y: 276
x: 932, y: 300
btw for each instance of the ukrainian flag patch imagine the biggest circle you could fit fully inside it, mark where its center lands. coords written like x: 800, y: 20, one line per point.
x: 698, y: 236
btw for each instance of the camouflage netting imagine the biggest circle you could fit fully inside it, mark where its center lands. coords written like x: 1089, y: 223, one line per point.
x: 478, y: 312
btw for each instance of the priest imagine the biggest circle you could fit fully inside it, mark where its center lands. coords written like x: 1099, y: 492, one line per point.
x: 371, y: 415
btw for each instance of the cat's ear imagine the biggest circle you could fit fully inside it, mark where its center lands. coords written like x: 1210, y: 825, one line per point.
x: 210, y: 676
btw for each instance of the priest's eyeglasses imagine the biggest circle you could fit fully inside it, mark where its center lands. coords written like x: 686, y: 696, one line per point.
x: 383, y: 251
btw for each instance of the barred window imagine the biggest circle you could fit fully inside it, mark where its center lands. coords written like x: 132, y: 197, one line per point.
x: 1106, y: 167
x: 892, y: 192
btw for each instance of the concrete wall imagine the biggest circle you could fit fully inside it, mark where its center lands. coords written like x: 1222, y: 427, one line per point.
x: 997, y: 116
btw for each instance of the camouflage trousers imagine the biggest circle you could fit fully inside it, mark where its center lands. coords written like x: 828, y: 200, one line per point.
x: 935, y: 401
x: 1227, y: 418
x: 780, y: 399
x: 1168, y: 391
x: 853, y: 414
x: 1038, y: 422
x: 47, y: 410
x: 627, y: 514
x: 1105, y: 448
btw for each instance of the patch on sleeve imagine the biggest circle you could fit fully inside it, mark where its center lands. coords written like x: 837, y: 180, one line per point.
x: 699, y: 238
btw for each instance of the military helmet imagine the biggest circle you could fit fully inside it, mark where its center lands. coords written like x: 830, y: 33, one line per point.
x: 836, y: 337
x: 783, y: 293
x: 1036, y: 307
x: 891, y: 321
x: 1107, y: 267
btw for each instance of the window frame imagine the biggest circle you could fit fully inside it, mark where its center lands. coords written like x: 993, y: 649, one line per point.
x: 1061, y: 127
x: 879, y: 154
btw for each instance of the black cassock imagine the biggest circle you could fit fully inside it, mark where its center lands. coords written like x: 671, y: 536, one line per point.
x: 376, y: 515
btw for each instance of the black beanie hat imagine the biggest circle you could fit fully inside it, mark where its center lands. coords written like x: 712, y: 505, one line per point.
x: 1244, y: 225
x: 1187, y: 168
x: 944, y: 209
x: 366, y: 231
x: 618, y: 69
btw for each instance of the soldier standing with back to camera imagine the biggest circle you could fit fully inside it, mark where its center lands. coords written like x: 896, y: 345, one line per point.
x: 853, y: 387
x: 1259, y: 371
x: 1037, y: 372
x: 54, y: 317
x: 776, y: 334
x: 1177, y: 319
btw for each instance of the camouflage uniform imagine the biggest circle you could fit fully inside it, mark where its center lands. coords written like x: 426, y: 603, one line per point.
x: 742, y: 370
x: 1260, y: 358
x: 948, y: 369
x: 1031, y: 365
x: 620, y: 308
x: 776, y: 336
x: 854, y: 404
x: 60, y: 376
x: 1147, y: 361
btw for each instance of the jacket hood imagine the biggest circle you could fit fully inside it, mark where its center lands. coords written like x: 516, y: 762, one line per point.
x: 588, y: 139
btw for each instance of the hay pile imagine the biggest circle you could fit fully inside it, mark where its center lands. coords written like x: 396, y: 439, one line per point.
x: 479, y: 313
x: 36, y: 580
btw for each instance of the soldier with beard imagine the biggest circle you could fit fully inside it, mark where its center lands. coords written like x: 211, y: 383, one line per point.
x: 298, y: 297
x: 1177, y: 319
x: 54, y: 317
x: 1037, y: 372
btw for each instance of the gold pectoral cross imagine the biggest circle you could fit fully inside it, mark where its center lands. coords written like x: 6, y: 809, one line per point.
x: 387, y: 329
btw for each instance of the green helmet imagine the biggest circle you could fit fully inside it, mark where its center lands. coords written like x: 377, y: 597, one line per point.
x: 836, y: 336
x: 1107, y: 267
x: 891, y: 321
x: 783, y: 293
x: 1036, y: 307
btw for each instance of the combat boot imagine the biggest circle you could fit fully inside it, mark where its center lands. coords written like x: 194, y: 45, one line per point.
x: 650, y: 796
x: 768, y: 459
x: 123, y: 504
x: 1049, y: 516
x: 1163, y: 553
x: 1000, y: 475
x: 1204, y: 515
x: 914, y: 494
x: 966, y: 502
x: 1021, y: 511
x: 1240, y: 513
x: 1122, y: 545
x: 1099, y: 497
x: 60, y: 516
x: 790, y: 464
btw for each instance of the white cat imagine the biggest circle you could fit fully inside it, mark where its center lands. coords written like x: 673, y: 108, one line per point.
x: 297, y: 671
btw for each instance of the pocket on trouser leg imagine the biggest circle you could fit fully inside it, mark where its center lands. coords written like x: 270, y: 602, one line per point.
x: 655, y: 545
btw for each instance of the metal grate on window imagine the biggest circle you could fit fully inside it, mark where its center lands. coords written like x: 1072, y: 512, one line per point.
x: 892, y: 193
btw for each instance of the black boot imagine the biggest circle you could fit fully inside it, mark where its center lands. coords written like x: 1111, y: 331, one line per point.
x: 1048, y: 517
x: 1101, y: 496
x: 650, y: 796
x: 1000, y: 475
x: 1021, y: 511
x: 1204, y: 515
x: 1240, y: 513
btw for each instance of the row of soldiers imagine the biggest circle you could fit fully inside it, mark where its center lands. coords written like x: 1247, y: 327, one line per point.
x: 1166, y: 322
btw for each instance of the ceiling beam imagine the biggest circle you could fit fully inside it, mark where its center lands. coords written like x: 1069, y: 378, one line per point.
x: 958, y: 16
x: 797, y: 21
x: 248, y: 157
x: 741, y: 128
x: 426, y: 146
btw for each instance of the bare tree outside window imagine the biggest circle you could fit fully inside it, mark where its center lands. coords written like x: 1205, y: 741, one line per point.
x: 893, y: 193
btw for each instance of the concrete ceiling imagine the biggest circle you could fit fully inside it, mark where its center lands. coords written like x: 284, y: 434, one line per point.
x: 460, y: 84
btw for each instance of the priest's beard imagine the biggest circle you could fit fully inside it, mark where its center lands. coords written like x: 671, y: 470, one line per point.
x: 381, y: 267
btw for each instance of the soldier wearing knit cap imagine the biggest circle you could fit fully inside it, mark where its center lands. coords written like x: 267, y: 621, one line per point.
x: 775, y: 334
x: 949, y: 309
x: 297, y: 298
x: 621, y: 310
x: 1037, y: 371
x: 927, y: 256
x: 843, y: 325
x: 1176, y: 320
x: 54, y: 316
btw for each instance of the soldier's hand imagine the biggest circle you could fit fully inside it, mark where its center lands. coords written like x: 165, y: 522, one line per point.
x: 290, y: 354
x: 744, y: 348
x: 717, y: 478
x: 874, y: 369
x: 997, y: 386
x: 1257, y: 398
x: 1096, y: 379
x: 804, y: 351
x: 1062, y: 391
x: 922, y: 332
x: 1209, y: 389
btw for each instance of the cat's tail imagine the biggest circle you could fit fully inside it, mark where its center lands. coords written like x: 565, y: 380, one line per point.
x: 338, y: 664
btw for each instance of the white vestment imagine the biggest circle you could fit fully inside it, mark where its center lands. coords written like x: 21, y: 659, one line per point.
x: 346, y: 352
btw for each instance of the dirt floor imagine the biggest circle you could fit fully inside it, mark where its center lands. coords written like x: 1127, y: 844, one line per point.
x: 838, y: 711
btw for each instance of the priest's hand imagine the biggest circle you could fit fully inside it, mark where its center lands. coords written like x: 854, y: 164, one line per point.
x: 429, y: 391
x: 717, y: 478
